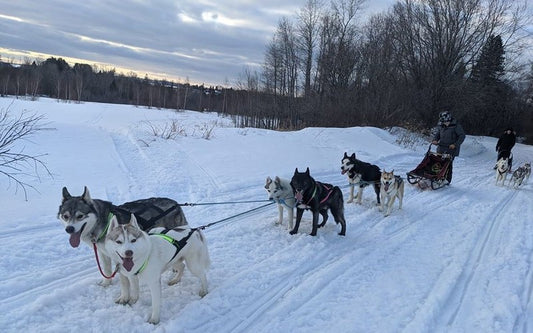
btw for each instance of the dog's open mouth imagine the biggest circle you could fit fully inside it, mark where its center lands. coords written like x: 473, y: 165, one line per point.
x: 75, y: 237
x: 127, y: 262
x: 343, y: 171
x: 299, y: 196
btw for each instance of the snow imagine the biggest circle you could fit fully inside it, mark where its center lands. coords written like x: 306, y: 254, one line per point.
x: 458, y: 259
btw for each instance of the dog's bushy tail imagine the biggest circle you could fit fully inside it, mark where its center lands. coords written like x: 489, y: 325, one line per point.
x: 203, y: 253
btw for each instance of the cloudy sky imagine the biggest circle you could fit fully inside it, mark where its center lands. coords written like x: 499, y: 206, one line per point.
x: 204, y: 41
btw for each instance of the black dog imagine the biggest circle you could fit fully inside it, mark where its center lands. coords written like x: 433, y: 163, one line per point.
x: 362, y: 174
x: 317, y: 197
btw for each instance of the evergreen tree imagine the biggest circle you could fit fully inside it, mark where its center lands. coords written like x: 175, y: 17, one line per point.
x: 490, y: 66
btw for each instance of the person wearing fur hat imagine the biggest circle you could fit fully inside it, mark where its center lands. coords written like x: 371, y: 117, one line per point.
x: 448, y: 139
x: 504, y: 145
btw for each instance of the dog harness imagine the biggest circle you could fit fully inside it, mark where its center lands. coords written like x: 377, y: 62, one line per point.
x: 283, y: 202
x: 179, y: 245
x: 329, y: 189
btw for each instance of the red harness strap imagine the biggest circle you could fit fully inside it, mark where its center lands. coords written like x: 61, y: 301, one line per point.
x: 329, y: 193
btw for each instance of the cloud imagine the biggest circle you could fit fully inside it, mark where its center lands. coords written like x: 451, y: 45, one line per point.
x: 207, y: 41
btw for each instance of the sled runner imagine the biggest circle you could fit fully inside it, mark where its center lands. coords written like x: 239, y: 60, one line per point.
x: 432, y: 171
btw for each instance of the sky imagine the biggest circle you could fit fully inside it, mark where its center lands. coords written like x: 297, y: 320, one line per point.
x: 458, y: 259
x: 202, y: 41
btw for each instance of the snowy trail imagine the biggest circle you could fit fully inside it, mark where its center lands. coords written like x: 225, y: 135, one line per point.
x: 458, y: 259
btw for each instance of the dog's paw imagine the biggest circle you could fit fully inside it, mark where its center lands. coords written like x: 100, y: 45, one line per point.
x: 133, y: 300
x: 104, y: 283
x: 292, y: 232
x: 122, y: 300
x: 153, y: 320
x: 174, y: 280
x: 202, y: 293
x: 349, y: 200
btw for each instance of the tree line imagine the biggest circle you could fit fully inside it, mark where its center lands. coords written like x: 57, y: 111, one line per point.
x: 327, y: 67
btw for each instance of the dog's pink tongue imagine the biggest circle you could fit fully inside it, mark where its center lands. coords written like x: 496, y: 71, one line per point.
x: 298, y: 196
x: 127, y: 263
x: 75, y: 239
x: 387, y: 187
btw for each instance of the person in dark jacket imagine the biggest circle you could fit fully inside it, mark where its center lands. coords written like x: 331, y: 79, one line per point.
x: 448, y: 139
x: 505, y: 143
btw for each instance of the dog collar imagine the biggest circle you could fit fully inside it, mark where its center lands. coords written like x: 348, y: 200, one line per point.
x: 104, y: 232
x: 312, y: 196
x: 143, y: 266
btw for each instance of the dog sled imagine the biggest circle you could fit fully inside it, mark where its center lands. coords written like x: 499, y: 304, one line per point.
x: 432, y: 171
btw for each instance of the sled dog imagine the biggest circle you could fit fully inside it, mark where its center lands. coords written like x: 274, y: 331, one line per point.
x: 502, y: 167
x: 362, y: 174
x: 527, y: 167
x: 392, y: 187
x: 518, y: 177
x: 148, y: 255
x: 87, y: 219
x: 280, y: 191
x: 317, y: 197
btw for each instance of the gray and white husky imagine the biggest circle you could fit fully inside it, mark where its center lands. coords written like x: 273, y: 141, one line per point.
x: 518, y: 177
x: 280, y: 191
x: 86, y: 219
x: 392, y: 187
x: 146, y: 256
x: 527, y: 167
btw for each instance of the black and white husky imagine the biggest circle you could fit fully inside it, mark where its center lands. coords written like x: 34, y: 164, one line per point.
x: 146, y: 256
x: 317, y: 197
x: 86, y: 219
x: 362, y: 174
x: 502, y: 168
x: 280, y: 191
x: 392, y: 187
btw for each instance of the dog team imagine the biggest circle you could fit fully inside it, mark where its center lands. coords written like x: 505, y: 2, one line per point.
x: 147, y: 237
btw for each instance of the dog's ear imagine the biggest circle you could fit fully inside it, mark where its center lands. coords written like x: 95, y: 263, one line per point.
x: 86, y: 196
x: 353, y: 156
x: 112, y: 224
x: 296, y: 171
x: 392, y: 171
x: 307, y: 171
x: 268, y: 182
x: 277, y: 181
x: 133, y: 222
x: 66, y: 195
x: 345, y: 155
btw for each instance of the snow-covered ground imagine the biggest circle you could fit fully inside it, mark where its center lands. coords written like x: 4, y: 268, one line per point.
x: 459, y: 259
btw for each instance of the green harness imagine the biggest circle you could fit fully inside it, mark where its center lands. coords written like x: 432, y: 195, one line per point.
x: 179, y: 245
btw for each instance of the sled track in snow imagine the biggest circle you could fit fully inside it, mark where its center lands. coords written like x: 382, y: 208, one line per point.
x: 28, y: 295
x: 245, y: 321
x: 455, y: 294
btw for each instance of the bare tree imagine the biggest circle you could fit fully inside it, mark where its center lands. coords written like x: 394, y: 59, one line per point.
x: 308, y: 20
x: 15, y: 164
x: 439, y: 40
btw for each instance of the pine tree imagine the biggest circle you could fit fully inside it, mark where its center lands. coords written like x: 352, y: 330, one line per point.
x: 489, y: 67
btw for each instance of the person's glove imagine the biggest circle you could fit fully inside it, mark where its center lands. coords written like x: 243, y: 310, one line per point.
x: 435, y: 142
x: 452, y: 146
